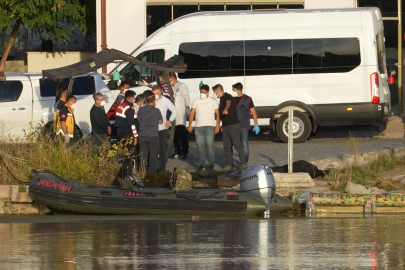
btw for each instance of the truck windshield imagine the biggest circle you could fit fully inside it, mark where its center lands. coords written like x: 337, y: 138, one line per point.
x: 133, y: 73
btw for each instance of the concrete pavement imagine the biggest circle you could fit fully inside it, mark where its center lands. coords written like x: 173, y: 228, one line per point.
x: 265, y: 149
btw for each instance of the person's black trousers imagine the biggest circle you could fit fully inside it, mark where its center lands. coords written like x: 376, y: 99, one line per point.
x: 99, y: 139
x: 162, y: 151
x: 149, y: 150
x: 181, y: 140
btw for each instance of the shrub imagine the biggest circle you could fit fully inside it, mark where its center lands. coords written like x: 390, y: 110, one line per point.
x: 81, y: 161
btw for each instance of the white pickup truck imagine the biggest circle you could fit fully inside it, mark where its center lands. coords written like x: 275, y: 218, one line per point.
x: 29, y: 98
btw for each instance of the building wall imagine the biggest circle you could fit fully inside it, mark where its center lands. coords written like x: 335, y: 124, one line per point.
x: 38, y: 61
x: 314, y: 4
x: 126, y: 25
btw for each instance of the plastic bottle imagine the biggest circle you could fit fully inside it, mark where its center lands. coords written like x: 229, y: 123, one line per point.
x: 304, y: 196
x: 310, y: 205
x: 373, y: 206
x: 367, y: 205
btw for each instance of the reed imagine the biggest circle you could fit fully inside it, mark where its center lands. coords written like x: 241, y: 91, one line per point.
x: 81, y: 161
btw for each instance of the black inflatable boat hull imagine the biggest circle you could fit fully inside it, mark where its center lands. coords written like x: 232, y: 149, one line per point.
x: 67, y: 196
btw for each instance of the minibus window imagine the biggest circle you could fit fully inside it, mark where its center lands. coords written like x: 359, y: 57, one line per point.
x: 382, y: 67
x: 268, y: 57
x: 326, y: 55
x: 212, y: 59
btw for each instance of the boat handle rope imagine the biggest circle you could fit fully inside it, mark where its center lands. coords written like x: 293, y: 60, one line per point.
x: 18, y: 180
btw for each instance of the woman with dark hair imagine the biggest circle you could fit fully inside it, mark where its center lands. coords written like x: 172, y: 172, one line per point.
x: 60, y: 99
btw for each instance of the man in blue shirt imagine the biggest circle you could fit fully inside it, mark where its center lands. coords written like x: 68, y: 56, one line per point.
x: 244, y: 108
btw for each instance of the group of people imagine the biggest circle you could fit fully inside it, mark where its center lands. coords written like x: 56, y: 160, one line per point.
x: 234, y: 111
x: 142, y: 122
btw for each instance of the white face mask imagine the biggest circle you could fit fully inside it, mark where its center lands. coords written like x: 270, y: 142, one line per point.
x: 73, y: 106
x: 234, y: 94
x: 203, y: 96
x: 102, y: 103
x: 157, y: 96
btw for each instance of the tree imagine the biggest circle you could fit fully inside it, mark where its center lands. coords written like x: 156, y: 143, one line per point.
x: 44, y: 19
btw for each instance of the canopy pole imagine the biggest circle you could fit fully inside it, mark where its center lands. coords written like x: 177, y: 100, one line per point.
x: 156, y: 74
x: 69, y: 92
x: 173, y: 125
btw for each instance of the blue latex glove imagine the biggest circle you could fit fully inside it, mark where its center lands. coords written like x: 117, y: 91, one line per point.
x: 256, y: 129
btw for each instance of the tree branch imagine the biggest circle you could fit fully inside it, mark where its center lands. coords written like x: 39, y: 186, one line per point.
x: 10, y: 42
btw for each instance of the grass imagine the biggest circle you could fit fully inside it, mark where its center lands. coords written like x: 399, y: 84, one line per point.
x: 370, y: 174
x: 81, y: 161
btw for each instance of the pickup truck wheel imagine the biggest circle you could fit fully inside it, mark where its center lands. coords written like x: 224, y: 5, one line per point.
x: 301, y: 127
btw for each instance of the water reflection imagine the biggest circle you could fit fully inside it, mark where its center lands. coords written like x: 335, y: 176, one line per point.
x: 283, y: 243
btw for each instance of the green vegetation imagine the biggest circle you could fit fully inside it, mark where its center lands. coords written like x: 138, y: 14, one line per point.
x: 44, y: 19
x: 370, y: 174
x: 81, y: 161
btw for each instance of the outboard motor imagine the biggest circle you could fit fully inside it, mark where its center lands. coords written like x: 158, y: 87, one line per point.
x: 258, y: 180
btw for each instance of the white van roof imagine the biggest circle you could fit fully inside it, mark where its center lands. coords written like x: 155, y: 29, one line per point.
x: 273, y: 11
x: 226, y: 20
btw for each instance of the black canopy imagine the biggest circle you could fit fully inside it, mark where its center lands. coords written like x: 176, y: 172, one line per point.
x: 106, y: 56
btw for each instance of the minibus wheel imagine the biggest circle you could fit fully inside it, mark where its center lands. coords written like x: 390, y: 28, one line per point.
x: 301, y: 127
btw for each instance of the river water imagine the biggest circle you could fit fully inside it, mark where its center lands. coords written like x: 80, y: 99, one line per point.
x: 91, y: 242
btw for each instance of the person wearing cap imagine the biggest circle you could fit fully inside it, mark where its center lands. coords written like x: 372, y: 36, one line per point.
x: 205, y: 111
x: 149, y: 119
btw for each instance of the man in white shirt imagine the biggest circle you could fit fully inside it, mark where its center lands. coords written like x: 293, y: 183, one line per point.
x: 182, y: 103
x: 205, y: 110
x: 163, y: 104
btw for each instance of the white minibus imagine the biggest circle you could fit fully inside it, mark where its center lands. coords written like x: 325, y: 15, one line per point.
x: 328, y: 65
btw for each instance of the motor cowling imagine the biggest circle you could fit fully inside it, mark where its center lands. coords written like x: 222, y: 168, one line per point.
x: 259, y: 181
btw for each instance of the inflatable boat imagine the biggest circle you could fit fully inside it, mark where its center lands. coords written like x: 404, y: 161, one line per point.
x: 254, y: 198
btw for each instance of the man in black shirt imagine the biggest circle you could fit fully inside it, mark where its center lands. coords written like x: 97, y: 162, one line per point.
x: 230, y: 128
x: 100, y: 125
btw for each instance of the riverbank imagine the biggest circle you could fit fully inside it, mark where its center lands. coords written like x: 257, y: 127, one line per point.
x: 373, y: 164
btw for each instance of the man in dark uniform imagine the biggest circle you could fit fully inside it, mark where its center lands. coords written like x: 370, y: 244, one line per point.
x: 230, y: 128
x: 66, y: 125
x: 126, y: 124
x: 125, y: 119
